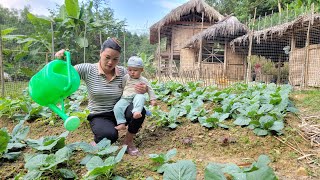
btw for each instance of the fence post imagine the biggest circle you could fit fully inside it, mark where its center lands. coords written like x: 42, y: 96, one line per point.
x: 251, y: 32
x: 1, y: 66
x: 52, y: 41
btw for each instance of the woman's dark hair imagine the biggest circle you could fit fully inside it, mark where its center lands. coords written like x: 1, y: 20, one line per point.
x: 112, y: 43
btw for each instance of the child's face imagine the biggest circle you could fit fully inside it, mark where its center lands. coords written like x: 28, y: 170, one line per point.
x: 134, y: 72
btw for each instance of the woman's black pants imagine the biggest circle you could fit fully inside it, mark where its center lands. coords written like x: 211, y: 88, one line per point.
x: 103, y: 124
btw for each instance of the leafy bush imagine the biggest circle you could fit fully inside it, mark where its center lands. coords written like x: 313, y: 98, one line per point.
x: 161, y: 160
x: 259, y: 106
x: 257, y: 170
x: 37, y: 164
x: 14, y: 142
x: 48, y: 143
x: 102, y: 149
x: 99, y: 168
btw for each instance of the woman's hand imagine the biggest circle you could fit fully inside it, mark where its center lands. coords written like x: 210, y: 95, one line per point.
x: 60, y: 54
x: 141, y: 88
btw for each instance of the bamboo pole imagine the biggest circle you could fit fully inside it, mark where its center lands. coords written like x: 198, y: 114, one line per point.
x: 271, y: 19
x: 248, y: 78
x: 84, y: 47
x: 225, y: 59
x: 52, y: 41
x: 200, y: 49
x: 279, y: 66
x: 292, y: 48
x: 159, y: 54
x: 124, y: 45
x: 306, y: 63
x: 1, y: 66
x: 279, y: 6
x: 287, y: 13
x: 46, y: 58
x: 265, y: 20
x: 171, y: 52
x: 100, y: 38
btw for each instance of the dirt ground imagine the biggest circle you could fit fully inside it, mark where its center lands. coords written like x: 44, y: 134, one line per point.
x: 192, y: 142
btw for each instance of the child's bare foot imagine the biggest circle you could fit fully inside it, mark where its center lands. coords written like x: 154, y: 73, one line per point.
x: 137, y: 115
x: 120, y: 127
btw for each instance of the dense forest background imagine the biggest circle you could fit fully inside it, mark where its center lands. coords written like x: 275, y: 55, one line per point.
x: 29, y: 41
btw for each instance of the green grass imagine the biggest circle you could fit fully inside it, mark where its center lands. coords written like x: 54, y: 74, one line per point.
x: 311, y: 99
x: 14, y: 89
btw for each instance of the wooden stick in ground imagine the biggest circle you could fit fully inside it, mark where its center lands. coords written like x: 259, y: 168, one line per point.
x: 289, y: 145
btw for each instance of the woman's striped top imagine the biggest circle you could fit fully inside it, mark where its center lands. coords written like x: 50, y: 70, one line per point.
x: 103, y: 95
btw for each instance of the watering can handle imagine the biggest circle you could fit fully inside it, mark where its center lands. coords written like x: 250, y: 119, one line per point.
x: 68, y: 58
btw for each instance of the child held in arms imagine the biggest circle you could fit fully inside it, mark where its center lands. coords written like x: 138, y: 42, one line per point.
x: 135, y: 68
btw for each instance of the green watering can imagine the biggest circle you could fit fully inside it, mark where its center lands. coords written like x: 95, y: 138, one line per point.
x: 52, y: 84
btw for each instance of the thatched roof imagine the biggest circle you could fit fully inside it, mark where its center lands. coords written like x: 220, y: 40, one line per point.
x: 226, y: 29
x: 278, y: 31
x: 192, y: 6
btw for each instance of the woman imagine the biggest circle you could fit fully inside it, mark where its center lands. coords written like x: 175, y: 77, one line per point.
x: 104, y: 84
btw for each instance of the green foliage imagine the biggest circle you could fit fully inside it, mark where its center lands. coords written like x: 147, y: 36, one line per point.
x: 261, y: 107
x: 244, y: 10
x: 257, y: 170
x: 4, y: 140
x: 99, y: 168
x: 23, y: 108
x: 37, y: 164
x: 48, y: 143
x: 149, y: 70
x: 73, y: 9
x: 182, y: 169
x: 161, y: 160
x: 11, y: 148
x: 102, y: 149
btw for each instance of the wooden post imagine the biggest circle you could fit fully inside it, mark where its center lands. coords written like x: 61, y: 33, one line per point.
x: 248, y: 78
x: 52, y: 41
x: 159, y: 54
x: 305, y: 74
x: 100, y: 38
x: 225, y: 59
x: 271, y: 19
x: 200, y: 49
x: 1, y: 65
x: 171, y: 52
x: 124, y: 45
x: 84, y: 37
x: 265, y: 19
x: 287, y: 13
x: 291, y: 54
x: 46, y: 58
x: 279, y: 66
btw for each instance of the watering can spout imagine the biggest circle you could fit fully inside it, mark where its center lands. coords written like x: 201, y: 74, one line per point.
x: 70, y: 123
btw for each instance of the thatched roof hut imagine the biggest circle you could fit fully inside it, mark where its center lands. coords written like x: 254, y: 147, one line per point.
x: 183, y: 14
x: 225, y: 30
x: 279, y: 30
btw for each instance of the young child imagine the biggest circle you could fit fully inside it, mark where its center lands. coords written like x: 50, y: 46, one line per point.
x: 135, y: 67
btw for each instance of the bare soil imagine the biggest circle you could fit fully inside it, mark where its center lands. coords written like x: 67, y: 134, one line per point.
x: 236, y: 145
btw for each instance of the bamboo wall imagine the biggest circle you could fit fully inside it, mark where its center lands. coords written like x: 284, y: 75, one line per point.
x: 187, y: 59
x: 215, y: 68
x: 297, y: 66
x: 314, y: 66
x: 181, y: 34
x: 235, y: 64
